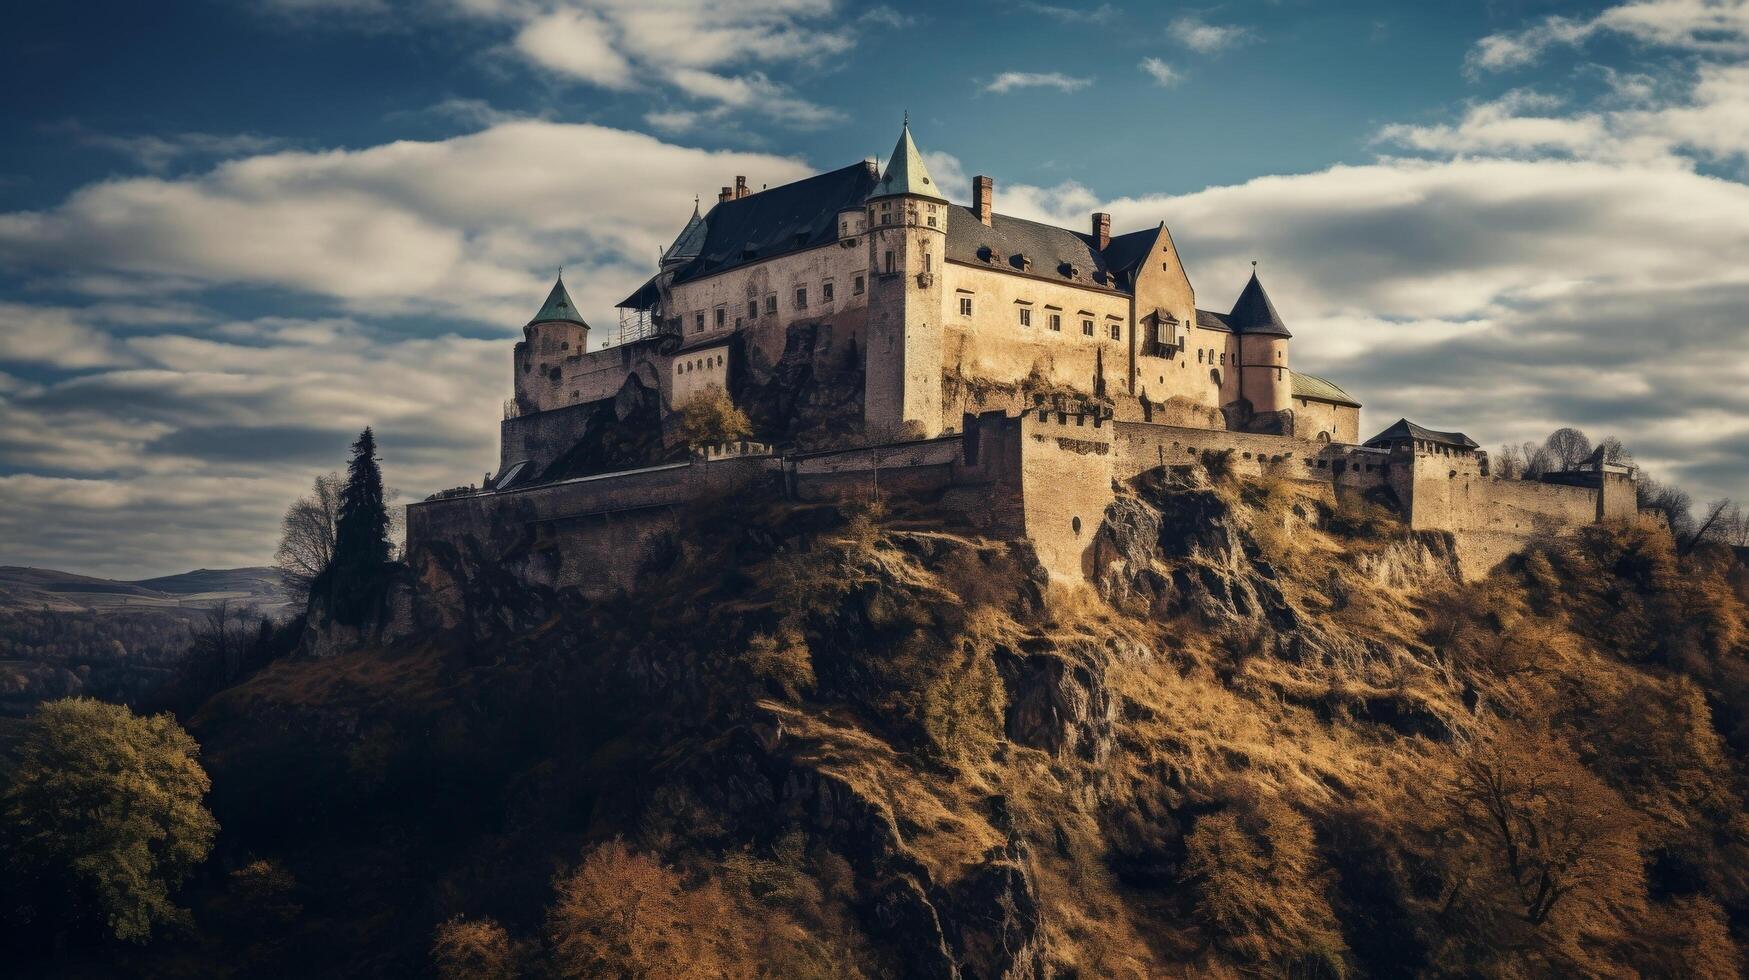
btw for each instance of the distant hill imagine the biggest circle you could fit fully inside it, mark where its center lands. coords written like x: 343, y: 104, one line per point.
x: 47, y: 588
x: 63, y: 634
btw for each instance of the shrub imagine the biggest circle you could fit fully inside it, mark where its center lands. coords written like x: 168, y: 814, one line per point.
x: 711, y: 417
x: 1218, y: 464
x: 473, y: 949
x: 625, y: 915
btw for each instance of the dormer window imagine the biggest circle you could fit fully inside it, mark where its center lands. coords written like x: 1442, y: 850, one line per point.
x: 985, y: 253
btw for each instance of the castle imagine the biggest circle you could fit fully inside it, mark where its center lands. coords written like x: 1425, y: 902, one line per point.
x: 1016, y: 370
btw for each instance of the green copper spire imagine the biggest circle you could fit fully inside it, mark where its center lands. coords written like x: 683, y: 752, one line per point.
x: 906, y: 173
x: 558, y: 306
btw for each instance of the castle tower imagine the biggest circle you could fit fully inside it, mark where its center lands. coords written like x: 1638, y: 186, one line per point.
x: 907, y: 243
x: 1265, y: 377
x: 556, y: 333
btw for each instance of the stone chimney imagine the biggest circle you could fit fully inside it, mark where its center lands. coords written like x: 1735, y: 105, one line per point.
x: 726, y: 194
x: 1101, y: 229
x: 741, y: 188
x: 983, y: 190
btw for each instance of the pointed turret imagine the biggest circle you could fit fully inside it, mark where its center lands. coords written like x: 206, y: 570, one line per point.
x: 689, y: 243
x: 558, y: 308
x: 906, y: 173
x: 1254, y: 313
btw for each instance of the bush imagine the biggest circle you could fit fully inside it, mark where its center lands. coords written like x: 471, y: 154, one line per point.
x: 104, y: 819
x: 473, y: 949
x: 710, y: 417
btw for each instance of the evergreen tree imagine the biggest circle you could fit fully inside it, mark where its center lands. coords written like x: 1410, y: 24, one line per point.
x: 361, y: 534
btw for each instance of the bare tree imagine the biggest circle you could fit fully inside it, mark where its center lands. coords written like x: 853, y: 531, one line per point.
x: 1567, y: 447
x: 1614, y: 452
x: 1673, y: 502
x: 1509, y: 463
x: 1714, y: 526
x: 306, y: 542
x: 1536, y: 460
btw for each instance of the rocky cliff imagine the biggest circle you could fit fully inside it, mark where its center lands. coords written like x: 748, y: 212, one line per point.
x: 1276, y: 736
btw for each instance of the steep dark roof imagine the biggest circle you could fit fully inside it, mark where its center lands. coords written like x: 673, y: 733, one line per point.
x: 1055, y: 253
x: 643, y: 298
x: 558, y: 306
x: 1404, y: 429
x: 1254, y: 313
x: 690, y: 242
x: 778, y: 220
x: 1316, y: 388
x: 1124, y: 253
x: 1211, y: 320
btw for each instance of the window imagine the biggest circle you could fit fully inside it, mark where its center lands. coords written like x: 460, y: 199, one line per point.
x: 771, y: 303
x: 1223, y: 359
x: 889, y: 262
x: 720, y: 317
x: 856, y: 286
x: 886, y: 218
x: 1086, y: 328
x: 1199, y: 353
x: 1055, y: 322
x: 932, y: 217
x: 928, y: 263
x: 1026, y: 316
x: 1117, y: 331
x: 826, y: 291
x: 752, y: 309
x: 965, y: 306
x: 801, y: 297
x: 843, y: 228
x: 697, y: 322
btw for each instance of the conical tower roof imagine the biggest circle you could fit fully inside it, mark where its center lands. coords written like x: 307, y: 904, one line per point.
x: 906, y: 173
x: 1254, y: 313
x: 690, y: 242
x: 558, y: 306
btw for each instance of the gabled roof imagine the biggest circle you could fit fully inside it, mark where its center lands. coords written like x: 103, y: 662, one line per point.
x: 1404, y: 430
x: 781, y: 219
x: 906, y: 173
x: 1254, y: 313
x: 690, y: 242
x: 1210, y: 320
x: 558, y: 306
x: 1317, y: 389
x: 1125, y: 253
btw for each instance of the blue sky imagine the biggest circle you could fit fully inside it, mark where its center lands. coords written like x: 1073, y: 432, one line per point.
x: 233, y: 233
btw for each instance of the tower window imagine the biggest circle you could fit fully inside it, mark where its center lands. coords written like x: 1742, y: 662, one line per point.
x: 928, y: 262
x: 1025, y: 316
x: 965, y: 306
x: 889, y: 262
x: 932, y: 217
x: 1086, y: 328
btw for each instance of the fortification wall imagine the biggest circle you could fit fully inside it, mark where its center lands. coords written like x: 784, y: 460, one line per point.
x: 1067, y: 463
x: 1340, y: 422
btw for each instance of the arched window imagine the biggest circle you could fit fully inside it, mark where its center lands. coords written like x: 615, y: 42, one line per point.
x: 1199, y: 357
x: 1215, y: 376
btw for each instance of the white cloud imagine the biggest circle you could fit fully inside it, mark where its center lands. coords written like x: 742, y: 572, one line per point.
x: 1008, y: 81
x: 577, y: 43
x: 1162, y: 73
x: 1712, y: 27
x: 1105, y: 13
x: 1201, y: 36
x: 156, y: 152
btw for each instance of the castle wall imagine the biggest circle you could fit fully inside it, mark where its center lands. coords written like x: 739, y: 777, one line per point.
x: 992, y: 346
x: 1067, y: 462
x: 550, y: 377
x: 1340, y: 422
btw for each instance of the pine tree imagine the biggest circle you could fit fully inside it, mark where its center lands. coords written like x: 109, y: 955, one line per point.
x: 361, y: 534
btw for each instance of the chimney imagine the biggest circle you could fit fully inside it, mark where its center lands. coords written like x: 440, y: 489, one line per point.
x: 725, y: 194
x: 983, y: 189
x: 1102, y: 229
x: 741, y: 188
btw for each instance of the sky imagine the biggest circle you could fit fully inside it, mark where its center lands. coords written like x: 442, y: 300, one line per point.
x: 232, y: 234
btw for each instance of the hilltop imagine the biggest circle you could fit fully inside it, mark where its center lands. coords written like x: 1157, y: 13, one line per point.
x: 1278, y: 734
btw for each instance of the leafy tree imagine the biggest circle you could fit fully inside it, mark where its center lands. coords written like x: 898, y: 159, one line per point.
x: 710, y: 416
x: 306, y: 539
x: 625, y: 915
x: 361, y: 534
x: 103, y: 817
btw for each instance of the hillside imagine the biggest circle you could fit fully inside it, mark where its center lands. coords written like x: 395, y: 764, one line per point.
x: 1279, y: 736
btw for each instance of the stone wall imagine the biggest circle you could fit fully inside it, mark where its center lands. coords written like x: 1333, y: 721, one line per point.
x: 1341, y: 423
x: 1067, y: 465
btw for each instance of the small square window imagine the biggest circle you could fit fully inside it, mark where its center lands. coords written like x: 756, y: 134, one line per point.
x: 1056, y: 322
x: 1026, y: 316
x: 965, y: 306
x: 856, y: 286
x: 932, y: 221
x: 826, y: 291
x: 1086, y: 328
